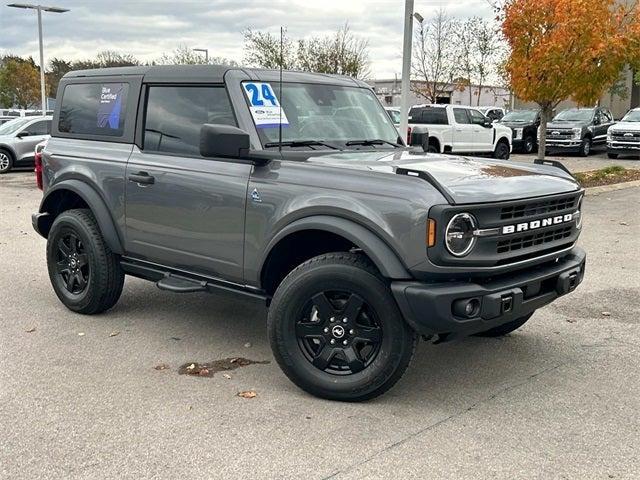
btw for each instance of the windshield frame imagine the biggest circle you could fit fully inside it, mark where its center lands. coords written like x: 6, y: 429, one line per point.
x: 391, y: 135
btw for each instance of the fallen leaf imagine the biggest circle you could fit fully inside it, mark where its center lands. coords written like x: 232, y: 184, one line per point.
x: 233, y: 360
x: 114, y: 334
x: 571, y: 320
x: 81, y: 334
x: 203, y: 372
x: 606, y: 314
x: 31, y: 330
x: 247, y: 345
x: 162, y: 366
x: 624, y: 223
x: 247, y: 394
x: 227, y: 376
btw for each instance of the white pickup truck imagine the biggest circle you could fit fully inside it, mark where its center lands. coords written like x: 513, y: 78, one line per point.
x: 460, y: 129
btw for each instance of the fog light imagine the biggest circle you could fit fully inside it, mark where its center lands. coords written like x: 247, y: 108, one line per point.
x: 467, y: 308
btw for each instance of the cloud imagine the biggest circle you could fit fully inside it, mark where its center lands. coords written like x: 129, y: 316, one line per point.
x: 146, y: 29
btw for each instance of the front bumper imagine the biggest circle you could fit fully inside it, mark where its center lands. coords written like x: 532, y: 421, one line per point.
x: 623, y: 148
x: 565, y: 145
x: 428, y: 307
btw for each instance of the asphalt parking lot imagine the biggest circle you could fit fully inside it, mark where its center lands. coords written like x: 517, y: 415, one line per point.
x: 80, y: 397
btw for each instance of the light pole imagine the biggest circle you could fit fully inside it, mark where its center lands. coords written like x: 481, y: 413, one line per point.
x: 206, y: 53
x: 406, y: 63
x: 40, y: 9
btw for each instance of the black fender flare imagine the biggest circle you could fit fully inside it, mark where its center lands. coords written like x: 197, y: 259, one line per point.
x: 371, y: 244
x: 44, y: 220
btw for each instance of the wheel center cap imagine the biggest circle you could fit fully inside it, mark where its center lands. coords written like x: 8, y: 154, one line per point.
x: 73, y: 263
x: 338, y: 331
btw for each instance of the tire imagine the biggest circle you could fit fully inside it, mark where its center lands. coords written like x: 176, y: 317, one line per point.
x: 85, y: 274
x: 502, y: 151
x: 323, y: 291
x: 585, y: 147
x: 505, y: 328
x: 613, y: 156
x: 6, y: 161
x: 432, y: 148
x: 528, y: 145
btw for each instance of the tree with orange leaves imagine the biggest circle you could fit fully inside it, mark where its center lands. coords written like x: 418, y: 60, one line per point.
x: 568, y: 49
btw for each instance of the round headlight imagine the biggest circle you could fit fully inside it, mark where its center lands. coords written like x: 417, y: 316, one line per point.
x: 459, y: 236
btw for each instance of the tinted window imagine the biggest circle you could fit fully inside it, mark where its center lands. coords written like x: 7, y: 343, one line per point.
x: 430, y: 116
x: 39, y: 128
x: 461, y: 115
x: 94, y: 109
x: 175, y: 116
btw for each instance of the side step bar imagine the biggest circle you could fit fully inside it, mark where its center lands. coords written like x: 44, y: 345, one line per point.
x: 175, y: 284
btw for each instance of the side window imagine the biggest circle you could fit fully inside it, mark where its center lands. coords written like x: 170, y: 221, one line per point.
x: 42, y: 127
x: 94, y: 109
x: 175, y: 115
x: 461, y: 115
x: 606, y: 116
x: 477, y: 118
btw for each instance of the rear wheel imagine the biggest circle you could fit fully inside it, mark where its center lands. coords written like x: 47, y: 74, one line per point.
x: 85, y: 274
x: 585, y: 147
x: 6, y: 161
x: 336, y: 331
x: 502, y: 150
x: 505, y: 328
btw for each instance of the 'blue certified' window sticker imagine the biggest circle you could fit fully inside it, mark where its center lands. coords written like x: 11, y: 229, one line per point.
x: 110, y: 105
x: 264, y: 106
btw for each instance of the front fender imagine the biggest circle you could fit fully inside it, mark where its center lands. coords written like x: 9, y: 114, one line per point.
x: 376, y: 249
x: 50, y: 208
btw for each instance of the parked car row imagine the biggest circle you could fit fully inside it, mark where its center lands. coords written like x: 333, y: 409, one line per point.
x: 6, y: 115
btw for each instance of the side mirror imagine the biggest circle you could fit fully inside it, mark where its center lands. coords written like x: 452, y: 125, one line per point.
x: 596, y: 121
x: 22, y: 134
x: 487, y: 123
x: 218, y: 140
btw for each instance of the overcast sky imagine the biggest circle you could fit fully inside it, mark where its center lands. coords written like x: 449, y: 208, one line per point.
x: 148, y: 28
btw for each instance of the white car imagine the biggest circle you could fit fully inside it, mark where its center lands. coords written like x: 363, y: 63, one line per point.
x: 623, y: 138
x: 460, y: 129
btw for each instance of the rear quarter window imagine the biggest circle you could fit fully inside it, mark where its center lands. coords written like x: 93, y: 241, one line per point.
x: 428, y: 116
x: 94, y: 109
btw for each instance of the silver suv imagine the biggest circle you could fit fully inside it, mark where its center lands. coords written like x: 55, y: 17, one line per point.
x: 18, y: 139
x: 299, y: 194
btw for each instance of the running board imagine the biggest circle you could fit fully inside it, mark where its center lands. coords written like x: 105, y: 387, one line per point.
x: 172, y: 283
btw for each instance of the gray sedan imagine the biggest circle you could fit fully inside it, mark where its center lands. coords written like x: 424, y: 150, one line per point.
x: 18, y: 139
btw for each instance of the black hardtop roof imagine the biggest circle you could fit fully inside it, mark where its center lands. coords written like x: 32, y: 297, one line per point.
x: 213, y: 74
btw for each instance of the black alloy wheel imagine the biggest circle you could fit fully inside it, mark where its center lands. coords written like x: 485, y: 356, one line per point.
x: 72, y: 263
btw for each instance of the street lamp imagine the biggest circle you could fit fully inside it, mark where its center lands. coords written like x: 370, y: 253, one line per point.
x: 206, y: 53
x: 409, y: 15
x: 40, y: 9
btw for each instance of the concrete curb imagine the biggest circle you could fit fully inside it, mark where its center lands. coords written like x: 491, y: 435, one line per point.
x: 611, y: 188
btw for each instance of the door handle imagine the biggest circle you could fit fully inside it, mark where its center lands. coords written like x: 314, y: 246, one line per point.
x: 142, y: 178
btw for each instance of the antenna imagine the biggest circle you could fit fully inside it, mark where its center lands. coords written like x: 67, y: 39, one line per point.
x: 280, y: 89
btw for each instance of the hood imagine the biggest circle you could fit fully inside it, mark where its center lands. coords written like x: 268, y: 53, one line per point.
x: 517, y: 124
x: 626, y: 126
x: 566, y: 125
x: 462, y: 179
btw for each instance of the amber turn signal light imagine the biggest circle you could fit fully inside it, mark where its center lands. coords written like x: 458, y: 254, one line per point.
x: 431, y: 233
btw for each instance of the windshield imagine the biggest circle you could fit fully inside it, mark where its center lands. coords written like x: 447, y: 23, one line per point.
x: 520, y: 116
x: 632, y: 116
x: 574, y: 116
x: 330, y: 114
x: 13, y: 126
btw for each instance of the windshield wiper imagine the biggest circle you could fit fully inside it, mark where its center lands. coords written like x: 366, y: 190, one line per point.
x: 301, y: 143
x: 373, y: 141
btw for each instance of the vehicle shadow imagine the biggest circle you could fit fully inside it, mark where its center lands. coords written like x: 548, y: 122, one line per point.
x: 459, y: 372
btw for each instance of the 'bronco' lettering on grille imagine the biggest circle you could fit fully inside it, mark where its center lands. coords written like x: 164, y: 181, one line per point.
x: 545, y: 222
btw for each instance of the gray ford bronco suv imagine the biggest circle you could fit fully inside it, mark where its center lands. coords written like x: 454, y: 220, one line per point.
x: 300, y: 194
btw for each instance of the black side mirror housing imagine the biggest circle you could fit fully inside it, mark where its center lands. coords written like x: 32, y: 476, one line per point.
x: 23, y: 133
x: 217, y: 140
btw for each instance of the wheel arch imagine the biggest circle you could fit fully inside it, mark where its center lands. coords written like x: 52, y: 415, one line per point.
x: 73, y: 193
x: 334, y: 234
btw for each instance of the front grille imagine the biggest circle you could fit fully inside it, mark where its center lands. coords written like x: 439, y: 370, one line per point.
x: 560, y: 135
x: 532, y: 209
x: 533, y: 240
x: 626, y: 137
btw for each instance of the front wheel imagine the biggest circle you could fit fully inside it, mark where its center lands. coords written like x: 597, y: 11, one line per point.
x: 529, y: 145
x: 505, y: 328
x: 6, y: 161
x: 336, y: 331
x: 585, y: 147
x: 85, y: 274
x: 502, y: 151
